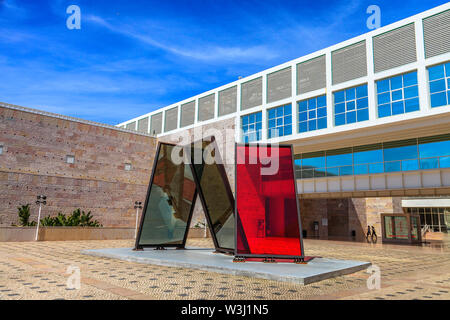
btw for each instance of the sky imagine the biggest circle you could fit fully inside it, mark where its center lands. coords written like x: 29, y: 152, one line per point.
x: 132, y: 57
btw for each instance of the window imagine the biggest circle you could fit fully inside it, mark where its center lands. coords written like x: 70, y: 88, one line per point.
x: 1, y: 149
x: 351, y: 105
x: 279, y: 121
x: 251, y: 127
x: 127, y: 167
x: 434, y: 152
x: 70, y: 159
x: 312, y: 114
x: 439, y: 77
x: 400, y: 155
x: 311, y: 165
x: 394, y: 156
x: 397, y: 95
x: 339, y: 162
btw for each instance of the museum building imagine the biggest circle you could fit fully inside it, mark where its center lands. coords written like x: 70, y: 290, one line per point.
x: 369, y: 119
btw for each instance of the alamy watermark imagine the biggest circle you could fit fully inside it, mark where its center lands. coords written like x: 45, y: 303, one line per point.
x: 374, y: 280
x: 374, y: 20
x: 219, y: 150
x: 74, y: 20
x: 74, y: 279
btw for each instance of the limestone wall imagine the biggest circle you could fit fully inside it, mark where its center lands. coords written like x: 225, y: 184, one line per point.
x: 33, y: 162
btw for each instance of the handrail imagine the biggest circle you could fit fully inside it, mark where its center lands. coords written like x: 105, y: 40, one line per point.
x: 425, y: 229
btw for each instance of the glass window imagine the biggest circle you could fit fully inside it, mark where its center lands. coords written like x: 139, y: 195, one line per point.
x: 368, y: 154
x: 315, y: 162
x: 401, y: 228
x: 400, y: 150
x: 251, y: 127
x: 312, y: 114
x: 279, y: 121
x: 434, y: 146
x: 397, y: 95
x: 337, y: 158
x: 439, y: 81
x: 405, y: 155
x: 351, y: 105
x: 389, y: 227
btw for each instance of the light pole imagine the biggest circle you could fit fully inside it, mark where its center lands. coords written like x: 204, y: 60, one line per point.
x: 137, y: 206
x: 41, y: 200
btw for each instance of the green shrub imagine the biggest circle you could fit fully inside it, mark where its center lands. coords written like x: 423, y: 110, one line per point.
x: 24, y: 216
x: 78, y: 218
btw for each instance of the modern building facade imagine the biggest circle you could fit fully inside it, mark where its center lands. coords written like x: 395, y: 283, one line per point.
x: 369, y: 119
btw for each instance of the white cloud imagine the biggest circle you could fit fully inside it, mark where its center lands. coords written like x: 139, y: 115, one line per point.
x: 207, y: 53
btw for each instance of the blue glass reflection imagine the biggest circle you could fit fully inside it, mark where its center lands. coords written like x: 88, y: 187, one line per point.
x: 401, y: 153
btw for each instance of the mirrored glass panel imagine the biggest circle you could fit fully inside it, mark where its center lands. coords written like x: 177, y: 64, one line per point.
x: 168, y: 208
x: 215, y: 192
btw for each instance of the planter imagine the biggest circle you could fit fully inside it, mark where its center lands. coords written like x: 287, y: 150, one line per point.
x: 18, y: 234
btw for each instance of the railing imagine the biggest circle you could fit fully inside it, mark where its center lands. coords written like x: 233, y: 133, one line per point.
x: 425, y: 229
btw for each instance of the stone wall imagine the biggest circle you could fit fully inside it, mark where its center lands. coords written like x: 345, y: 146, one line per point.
x: 345, y: 215
x: 35, y: 147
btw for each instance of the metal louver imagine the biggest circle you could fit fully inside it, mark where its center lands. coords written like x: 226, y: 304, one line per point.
x: 349, y: 63
x: 206, y: 107
x: 311, y: 75
x: 394, y: 48
x: 187, y: 114
x: 436, y: 33
x: 251, y: 93
x: 279, y: 85
x: 171, y: 120
x: 227, y: 101
x: 156, y: 123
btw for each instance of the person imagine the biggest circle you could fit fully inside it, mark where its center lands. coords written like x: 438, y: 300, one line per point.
x: 374, y: 235
x: 368, y: 234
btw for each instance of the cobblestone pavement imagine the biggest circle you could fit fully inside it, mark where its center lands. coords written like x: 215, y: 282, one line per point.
x: 37, y: 270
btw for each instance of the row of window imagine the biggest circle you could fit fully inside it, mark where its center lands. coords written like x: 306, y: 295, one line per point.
x: 405, y: 155
x: 395, y: 95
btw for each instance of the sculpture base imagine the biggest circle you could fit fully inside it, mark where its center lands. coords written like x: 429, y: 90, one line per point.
x: 316, y: 269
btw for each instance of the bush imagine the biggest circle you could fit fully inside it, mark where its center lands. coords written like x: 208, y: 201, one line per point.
x: 24, y: 216
x: 78, y: 218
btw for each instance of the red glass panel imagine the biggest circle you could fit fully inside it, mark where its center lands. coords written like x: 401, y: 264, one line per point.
x: 267, y: 213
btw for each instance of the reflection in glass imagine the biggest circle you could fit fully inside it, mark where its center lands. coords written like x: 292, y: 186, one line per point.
x: 339, y: 159
x: 389, y: 228
x: 400, y: 150
x: 267, y: 212
x: 216, y: 194
x: 401, y: 227
x: 169, y: 203
x: 406, y: 155
x: 433, y: 149
x: 414, y: 228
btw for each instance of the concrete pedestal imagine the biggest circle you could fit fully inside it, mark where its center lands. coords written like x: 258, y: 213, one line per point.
x: 204, y: 259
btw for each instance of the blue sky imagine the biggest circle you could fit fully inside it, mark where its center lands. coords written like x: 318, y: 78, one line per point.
x: 132, y: 57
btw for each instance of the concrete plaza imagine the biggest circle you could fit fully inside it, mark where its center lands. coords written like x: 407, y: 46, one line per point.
x: 37, y: 270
